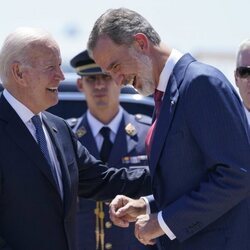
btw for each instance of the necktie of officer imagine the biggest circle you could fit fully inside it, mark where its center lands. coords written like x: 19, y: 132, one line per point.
x: 158, y: 101
x: 40, y: 136
x: 106, y: 145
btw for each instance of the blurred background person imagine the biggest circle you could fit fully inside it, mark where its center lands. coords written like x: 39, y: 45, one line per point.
x: 242, y: 75
x: 114, y: 136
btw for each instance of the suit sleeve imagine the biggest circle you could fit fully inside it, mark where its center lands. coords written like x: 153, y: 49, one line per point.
x: 3, y: 244
x: 215, y: 118
x: 98, y: 182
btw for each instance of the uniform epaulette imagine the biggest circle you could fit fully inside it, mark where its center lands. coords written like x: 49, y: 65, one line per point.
x: 72, y: 121
x: 145, y: 119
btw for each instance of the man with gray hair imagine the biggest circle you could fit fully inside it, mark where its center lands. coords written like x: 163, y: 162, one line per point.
x: 242, y: 75
x: 42, y: 165
x: 198, y: 146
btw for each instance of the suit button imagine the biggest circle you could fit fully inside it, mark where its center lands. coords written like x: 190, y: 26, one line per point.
x: 108, y: 246
x: 108, y: 224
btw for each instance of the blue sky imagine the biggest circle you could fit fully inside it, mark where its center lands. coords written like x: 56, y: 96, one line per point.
x: 210, y: 30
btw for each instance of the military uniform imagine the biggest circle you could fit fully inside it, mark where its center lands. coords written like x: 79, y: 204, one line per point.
x: 95, y: 230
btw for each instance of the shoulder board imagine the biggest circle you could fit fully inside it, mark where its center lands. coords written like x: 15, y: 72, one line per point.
x: 72, y: 122
x: 145, y: 119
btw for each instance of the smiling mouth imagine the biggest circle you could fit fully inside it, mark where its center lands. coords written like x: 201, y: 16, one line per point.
x: 53, y: 89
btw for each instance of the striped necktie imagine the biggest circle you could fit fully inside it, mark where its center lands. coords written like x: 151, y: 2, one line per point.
x: 41, y: 140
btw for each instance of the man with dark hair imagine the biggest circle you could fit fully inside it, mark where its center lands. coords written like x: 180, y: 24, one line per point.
x: 198, y: 146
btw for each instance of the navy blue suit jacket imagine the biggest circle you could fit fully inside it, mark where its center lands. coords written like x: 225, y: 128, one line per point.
x: 128, y: 151
x: 32, y: 214
x: 200, y: 161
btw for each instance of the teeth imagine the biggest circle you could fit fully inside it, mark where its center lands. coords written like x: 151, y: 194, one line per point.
x: 53, y: 89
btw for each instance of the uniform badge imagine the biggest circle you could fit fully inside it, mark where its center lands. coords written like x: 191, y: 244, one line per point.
x: 130, y: 129
x: 81, y: 132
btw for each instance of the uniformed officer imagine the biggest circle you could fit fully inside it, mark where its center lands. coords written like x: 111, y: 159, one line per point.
x: 121, y: 145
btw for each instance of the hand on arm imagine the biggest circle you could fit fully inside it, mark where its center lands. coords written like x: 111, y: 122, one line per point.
x: 124, y: 210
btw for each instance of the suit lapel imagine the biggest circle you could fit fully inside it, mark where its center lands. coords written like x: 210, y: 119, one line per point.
x: 53, y: 133
x: 168, y: 110
x: 163, y: 122
x: 19, y: 133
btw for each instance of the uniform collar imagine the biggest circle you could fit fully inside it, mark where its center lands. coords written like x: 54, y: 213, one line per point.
x: 96, y: 125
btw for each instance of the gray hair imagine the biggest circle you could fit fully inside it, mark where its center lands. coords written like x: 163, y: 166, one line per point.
x: 17, y: 46
x: 244, y: 46
x: 120, y: 25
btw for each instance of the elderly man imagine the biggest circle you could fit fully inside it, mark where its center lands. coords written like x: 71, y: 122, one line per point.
x: 42, y: 165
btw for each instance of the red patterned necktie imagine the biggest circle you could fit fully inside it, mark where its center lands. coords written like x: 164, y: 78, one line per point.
x: 158, y: 101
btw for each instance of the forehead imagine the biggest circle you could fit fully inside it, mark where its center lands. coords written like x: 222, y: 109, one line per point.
x: 46, y: 52
x: 244, y: 58
x: 107, y: 52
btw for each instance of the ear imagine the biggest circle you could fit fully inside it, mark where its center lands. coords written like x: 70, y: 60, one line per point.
x: 17, y: 72
x: 236, y: 78
x: 141, y: 41
x: 79, y: 84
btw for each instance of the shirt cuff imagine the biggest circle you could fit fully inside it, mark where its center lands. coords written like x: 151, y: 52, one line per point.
x: 147, y: 204
x: 164, y: 227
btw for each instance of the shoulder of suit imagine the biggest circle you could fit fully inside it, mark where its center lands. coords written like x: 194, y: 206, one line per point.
x: 72, y: 121
x: 144, y: 119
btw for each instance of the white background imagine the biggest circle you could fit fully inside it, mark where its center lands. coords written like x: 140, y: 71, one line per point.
x: 210, y: 30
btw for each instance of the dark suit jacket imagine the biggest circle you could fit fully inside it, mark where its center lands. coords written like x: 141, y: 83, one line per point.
x: 200, y: 161
x: 128, y: 151
x: 32, y: 214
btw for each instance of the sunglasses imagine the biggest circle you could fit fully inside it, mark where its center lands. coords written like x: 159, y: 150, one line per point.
x: 243, y: 72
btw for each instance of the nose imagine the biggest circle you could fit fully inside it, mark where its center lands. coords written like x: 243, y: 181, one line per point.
x: 99, y: 83
x: 59, y: 74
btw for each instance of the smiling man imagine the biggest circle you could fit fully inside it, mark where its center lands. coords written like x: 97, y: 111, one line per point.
x: 198, y: 146
x: 43, y: 167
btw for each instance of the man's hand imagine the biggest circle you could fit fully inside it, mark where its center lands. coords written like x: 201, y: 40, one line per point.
x: 123, y: 210
x: 147, y: 229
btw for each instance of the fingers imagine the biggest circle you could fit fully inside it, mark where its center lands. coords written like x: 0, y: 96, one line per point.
x: 114, y: 211
x: 141, y: 230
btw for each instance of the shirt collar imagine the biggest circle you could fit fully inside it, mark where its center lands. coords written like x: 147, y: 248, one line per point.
x: 96, y: 125
x: 23, y: 112
x: 174, y: 57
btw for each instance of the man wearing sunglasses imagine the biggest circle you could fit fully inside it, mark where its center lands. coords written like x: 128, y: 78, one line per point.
x: 115, y: 137
x: 242, y: 75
